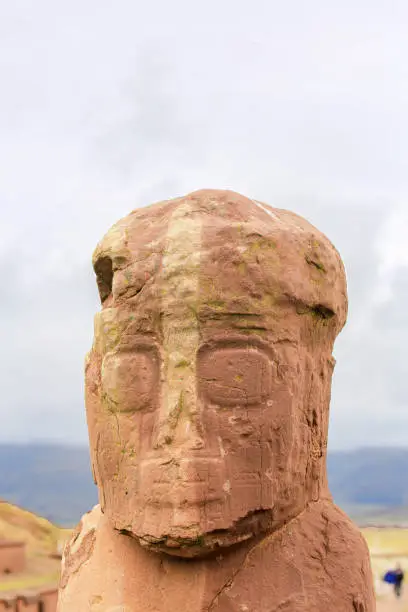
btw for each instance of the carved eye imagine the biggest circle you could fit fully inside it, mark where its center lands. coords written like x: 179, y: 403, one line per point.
x: 129, y: 380
x: 234, y: 376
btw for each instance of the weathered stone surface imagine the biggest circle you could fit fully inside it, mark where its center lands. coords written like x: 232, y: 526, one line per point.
x: 207, y: 394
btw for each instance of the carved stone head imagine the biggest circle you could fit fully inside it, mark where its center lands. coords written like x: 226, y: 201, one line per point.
x: 208, y: 383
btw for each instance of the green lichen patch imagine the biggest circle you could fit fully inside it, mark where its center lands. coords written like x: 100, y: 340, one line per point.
x: 314, y: 261
x: 216, y: 304
x: 183, y: 363
x: 317, y: 311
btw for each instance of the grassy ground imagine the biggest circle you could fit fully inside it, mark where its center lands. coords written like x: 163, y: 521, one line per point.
x: 42, y: 538
x: 388, y: 546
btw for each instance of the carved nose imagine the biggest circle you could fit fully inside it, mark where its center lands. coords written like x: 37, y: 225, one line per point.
x: 179, y: 420
x: 179, y: 425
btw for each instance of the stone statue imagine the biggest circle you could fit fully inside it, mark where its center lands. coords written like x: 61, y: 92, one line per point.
x: 207, y: 396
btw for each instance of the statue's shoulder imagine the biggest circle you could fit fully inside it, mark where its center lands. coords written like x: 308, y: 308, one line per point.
x: 343, y: 531
x: 79, y: 548
x: 317, y: 561
x: 326, y: 528
x: 92, y: 566
x: 336, y: 544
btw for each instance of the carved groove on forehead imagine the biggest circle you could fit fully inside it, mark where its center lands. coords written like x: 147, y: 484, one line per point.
x: 267, y: 210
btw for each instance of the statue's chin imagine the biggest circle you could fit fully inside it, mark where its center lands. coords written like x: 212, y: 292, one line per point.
x: 199, y: 545
x: 194, y: 547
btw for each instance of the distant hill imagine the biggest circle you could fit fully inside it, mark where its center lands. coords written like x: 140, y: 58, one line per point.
x: 52, y: 481
x: 370, y: 476
x: 56, y: 482
x: 371, y: 484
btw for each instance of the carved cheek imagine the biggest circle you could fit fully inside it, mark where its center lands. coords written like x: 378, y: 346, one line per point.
x: 130, y: 381
x: 234, y: 376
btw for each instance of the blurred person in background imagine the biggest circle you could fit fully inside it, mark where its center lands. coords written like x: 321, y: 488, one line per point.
x: 399, y: 578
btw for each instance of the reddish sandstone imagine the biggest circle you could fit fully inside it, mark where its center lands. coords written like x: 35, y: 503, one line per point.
x: 207, y: 394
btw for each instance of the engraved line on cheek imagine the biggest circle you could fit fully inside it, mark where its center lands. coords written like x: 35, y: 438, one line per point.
x: 180, y: 286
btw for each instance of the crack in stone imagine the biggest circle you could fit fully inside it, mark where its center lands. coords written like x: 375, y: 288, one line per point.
x: 261, y: 542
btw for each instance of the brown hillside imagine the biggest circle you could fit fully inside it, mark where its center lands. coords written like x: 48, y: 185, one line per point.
x: 41, y: 537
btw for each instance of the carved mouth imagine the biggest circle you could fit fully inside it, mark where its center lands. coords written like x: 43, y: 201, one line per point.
x: 253, y: 524
x: 182, y: 483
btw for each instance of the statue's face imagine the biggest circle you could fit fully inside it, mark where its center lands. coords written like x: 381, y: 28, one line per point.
x: 209, y: 379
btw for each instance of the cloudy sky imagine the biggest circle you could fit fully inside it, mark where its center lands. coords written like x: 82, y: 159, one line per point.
x: 110, y: 105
